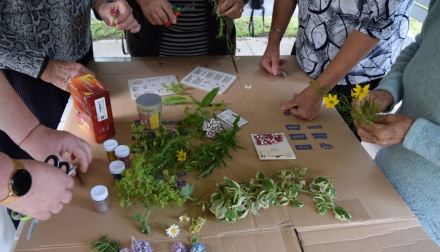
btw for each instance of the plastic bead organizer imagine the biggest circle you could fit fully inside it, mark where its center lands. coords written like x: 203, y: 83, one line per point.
x: 151, y: 85
x: 207, y: 79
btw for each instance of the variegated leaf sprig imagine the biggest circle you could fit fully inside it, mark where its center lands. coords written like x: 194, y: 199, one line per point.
x: 232, y: 200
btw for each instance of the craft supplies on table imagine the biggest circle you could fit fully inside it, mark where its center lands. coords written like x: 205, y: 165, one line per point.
x: 153, y: 85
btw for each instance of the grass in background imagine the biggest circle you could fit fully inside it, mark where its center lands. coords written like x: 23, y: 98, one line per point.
x: 101, y: 31
x: 242, y: 26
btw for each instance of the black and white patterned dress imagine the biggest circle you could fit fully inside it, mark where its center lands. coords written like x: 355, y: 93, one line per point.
x: 324, y: 25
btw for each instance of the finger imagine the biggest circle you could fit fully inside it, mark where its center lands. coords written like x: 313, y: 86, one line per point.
x: 57, y: 208
x: 67, y: 197
x: 43, y: 215
x: 289, y: 105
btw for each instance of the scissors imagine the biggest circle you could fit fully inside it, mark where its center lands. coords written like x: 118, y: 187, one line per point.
x: 177, y: 10
x: 59, y: 165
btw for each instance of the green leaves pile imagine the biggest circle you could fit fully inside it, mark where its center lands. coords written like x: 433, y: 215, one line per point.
x: 153, y: 177
x: 232, y: 200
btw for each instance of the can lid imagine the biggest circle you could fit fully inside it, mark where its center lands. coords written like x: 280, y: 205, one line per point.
x: 116, y: 167
x: 99, y: 193
x: 110, y: 145
x: 149, y: 99
x: 122, y: 151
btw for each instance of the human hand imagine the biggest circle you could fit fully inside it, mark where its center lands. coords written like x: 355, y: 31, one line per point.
x: 49, y: 192
x: 158, y: 12
x: 59, y: 73
x: 230, y: 8
x: 124, y: 20
x: 386, y: 130
x: 271, y: 60
x: 382, y: 98
x: 306, y: 105
x: 43, y: 141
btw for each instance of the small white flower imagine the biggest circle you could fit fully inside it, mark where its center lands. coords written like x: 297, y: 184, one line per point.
x: 184, y: 218
x: 206, y: 126
x: 173, y: 231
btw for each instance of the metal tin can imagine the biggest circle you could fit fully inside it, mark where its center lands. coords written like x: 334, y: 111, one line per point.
x: 149, y: 107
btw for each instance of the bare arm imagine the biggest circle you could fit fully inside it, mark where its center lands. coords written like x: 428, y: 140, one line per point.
x: 282, y: 13
x: 307, y: 104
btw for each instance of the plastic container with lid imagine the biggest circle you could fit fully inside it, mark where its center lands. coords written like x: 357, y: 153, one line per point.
x: 110, y: 146
x: 122, y: 152
x: 99, y: 195
x: 116, y: 167
x: 149, y: 107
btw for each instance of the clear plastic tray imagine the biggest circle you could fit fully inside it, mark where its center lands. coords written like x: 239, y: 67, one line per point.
x: 151, y: 85
x: 207, y: 79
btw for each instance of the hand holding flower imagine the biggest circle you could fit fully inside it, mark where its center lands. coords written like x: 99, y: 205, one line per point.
x: 118, y: 14
x: 385, y: 130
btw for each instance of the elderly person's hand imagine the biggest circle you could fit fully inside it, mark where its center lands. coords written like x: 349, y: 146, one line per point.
x: 231, y: 8
x: 49, y: 192
x: 124, y: 20
x: 43, y: 141
x: 59, y: 73
x: 158, y: 12
x: 386, y: 130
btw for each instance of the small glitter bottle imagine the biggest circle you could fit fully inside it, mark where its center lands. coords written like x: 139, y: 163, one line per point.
x: 116, y: 167
x: 99, y: 195
x: 122, y: 152
x: 110, y: 146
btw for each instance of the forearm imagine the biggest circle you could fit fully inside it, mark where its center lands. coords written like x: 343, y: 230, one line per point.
x: 355, y: 48
x: 282, y: 13
x: 17, y: 120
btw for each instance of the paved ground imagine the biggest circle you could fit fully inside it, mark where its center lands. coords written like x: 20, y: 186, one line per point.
x: 246, y: 47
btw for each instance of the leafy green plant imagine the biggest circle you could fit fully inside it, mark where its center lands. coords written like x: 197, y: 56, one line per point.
x: 105, y: 244
x: 233, y: 200
x: 162, y: 156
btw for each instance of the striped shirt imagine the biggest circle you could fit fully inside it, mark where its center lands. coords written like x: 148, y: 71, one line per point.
x: 189, y: 36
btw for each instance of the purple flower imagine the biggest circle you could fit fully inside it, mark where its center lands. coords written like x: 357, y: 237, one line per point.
x: 178, y: 247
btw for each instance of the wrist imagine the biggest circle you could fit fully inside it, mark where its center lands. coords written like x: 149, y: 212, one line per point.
x: 18, y: 184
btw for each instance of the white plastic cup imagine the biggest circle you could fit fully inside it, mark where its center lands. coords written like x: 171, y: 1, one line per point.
x: 122, y: 152
x: 99, y: 195
x: 116, y: 167
x: 110, y: 146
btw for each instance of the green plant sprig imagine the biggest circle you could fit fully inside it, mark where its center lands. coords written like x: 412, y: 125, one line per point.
x: 234, y: 201
x: 224, y: 26
x: 105, y: 244
x: 177, y: 88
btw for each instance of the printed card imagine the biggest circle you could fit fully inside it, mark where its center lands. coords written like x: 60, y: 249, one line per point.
x: 272, y: 146
x: 228, y: 116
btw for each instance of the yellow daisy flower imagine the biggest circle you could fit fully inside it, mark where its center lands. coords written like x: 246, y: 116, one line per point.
x: 330, y: 100
x: 181, y: 156
x: 360, y: 92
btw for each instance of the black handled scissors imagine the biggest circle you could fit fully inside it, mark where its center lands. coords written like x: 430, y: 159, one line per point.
x: 69, y: 171
x: 59, y: 165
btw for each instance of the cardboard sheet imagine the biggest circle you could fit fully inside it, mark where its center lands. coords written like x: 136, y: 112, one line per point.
x: 381, y: 220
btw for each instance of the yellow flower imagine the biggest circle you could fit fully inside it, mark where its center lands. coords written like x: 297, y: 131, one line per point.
x: 181, y: 156
x: 360, y: 92
x: 330, y: 100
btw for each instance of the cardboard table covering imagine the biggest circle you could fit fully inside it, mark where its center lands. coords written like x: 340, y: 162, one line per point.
x: 325, y: 146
